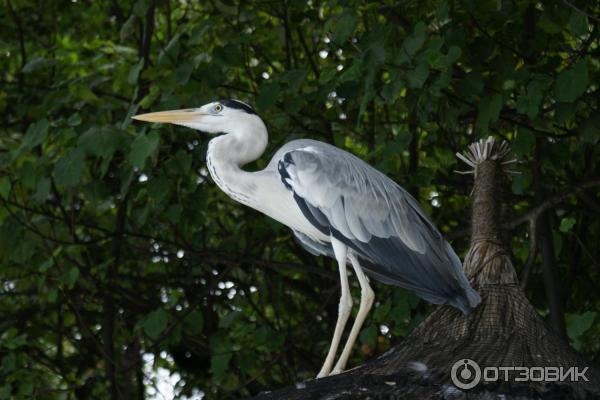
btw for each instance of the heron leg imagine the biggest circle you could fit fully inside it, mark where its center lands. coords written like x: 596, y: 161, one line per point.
x: 366, y: 301
x: 341, y: 251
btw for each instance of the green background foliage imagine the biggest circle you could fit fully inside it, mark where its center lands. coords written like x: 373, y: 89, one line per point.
x: 118, y: 257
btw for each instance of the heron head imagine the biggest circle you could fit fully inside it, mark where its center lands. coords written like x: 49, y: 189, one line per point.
x: 221, y: 116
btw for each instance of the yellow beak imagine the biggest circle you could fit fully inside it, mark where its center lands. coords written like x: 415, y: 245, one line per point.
x: 173, y: 116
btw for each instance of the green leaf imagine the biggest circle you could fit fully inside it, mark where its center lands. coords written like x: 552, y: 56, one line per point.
x: 436, y: 60
x: 84, y: 93
x: 183, y: 73
x: 126, y: 177
x: 417, y: 77
x: 9, y: 362
x: 74, y: 120
x: 400, y: 313
x: 70, y: 277
x: 295, y: 104
x: 472, y: 84
x: 151, y: 97
x: 368, y: 336
x: 173, y: 213
x: 375, y: 55
x: 376, y: 35
x: 566, y: 224
x: 219, y: 364
x: 369, y: 92
x: 142, y: 148
x: 27, y: 175
x: 194, y: 322
x: 489, y: 111
x: 12, y: 340
x: 158, y: 188
x: 180, y: 164
x: 294, y: 79
x: 267, y: 96
x: 23, y: 252
x: 343, y: 28
x: 34, y: 64
x: 565, y: 112
x: 578, y: 23
x: 414, y: 42
x: 353, y: 72
x: 441, y: 82
x: 523, y: 142
x: 169, y: 55
x: 549, y: 21
x: 454, y: 53
x: 578, y: 324
x: 572, y: 83
x: 211, y: 74
x: 327, y: 75
x: 445, y: 157
x: 391, y: 92
x: 140, y: 7
x: 530, y: 102
x: 26, y: 389
x: 42, y: 190
x: 69, y: 169
x: 35, y: 135
x: 521, y: 182
x: 590, y: 129
x: 155, y: 323
x: 6, y: 391
x: 128, y: 28
x: 52, y: 295
x: 4, y: 186
x: 381, y: 312
x: 229, y: 319
x: 134, y: 72
x: 101, y: 142
x: 228, y: 55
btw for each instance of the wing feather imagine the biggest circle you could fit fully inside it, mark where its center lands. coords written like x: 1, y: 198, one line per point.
x: 345, y: 197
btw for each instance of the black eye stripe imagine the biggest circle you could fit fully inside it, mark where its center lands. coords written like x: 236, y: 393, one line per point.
x: 237, y: 105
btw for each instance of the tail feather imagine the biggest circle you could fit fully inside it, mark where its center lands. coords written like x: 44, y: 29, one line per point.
x: 466, y: 301
x: 468, y: 298
x: 436, y: 275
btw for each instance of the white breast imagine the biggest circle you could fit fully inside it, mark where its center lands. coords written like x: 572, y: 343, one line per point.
x: 274, y: 200
x: 261, y: 190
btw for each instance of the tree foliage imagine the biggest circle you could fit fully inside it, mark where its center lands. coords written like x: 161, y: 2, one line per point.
x: 119, y: 257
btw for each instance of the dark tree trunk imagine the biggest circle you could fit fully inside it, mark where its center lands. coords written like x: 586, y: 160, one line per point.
x: 549, y: 272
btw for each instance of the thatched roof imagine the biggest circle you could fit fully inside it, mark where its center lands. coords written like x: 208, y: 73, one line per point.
x: 504, y: 331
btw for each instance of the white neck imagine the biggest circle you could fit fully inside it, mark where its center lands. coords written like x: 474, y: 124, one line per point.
x: 227, y: 153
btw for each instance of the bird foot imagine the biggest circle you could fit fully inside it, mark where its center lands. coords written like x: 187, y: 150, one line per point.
x: 323, y: 373
x: 336, y: 371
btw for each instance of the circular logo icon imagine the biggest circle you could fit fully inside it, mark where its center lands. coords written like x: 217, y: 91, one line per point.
x: 465, y: 374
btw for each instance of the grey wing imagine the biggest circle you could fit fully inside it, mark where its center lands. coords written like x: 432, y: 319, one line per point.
x: 313, y: 246
x: 346, y: 198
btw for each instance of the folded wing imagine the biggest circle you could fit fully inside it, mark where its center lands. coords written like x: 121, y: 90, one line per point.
x: 343, y: 196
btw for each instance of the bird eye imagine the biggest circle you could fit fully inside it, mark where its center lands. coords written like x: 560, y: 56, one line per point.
x: 218, y: 108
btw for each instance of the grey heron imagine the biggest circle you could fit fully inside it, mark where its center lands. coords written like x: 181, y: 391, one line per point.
x: 336, y: 205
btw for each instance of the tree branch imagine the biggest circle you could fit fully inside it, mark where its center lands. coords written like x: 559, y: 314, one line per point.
x: 551, y: 202
x: 307, y: 51
x: 208, y: 255
x: 534, y: 213
x: 532, y: 253
x: 20, y: 33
